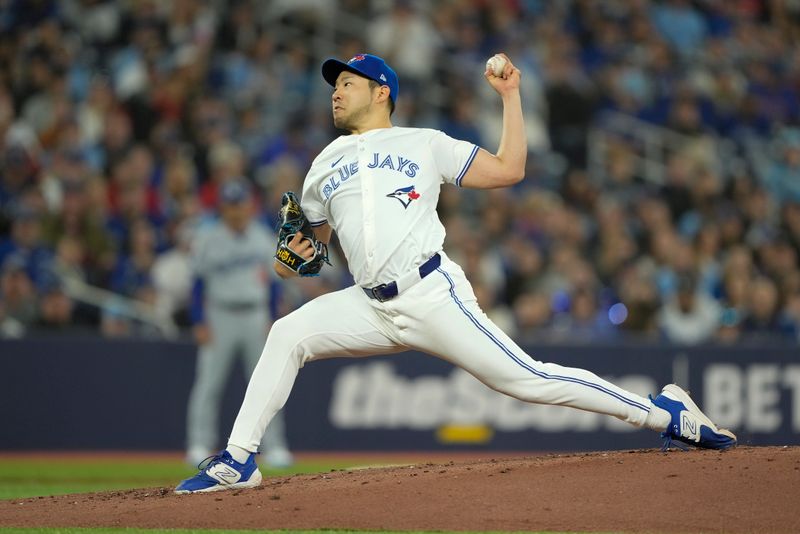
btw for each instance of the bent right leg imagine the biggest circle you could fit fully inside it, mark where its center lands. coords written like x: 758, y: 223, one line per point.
x: 342, y: 323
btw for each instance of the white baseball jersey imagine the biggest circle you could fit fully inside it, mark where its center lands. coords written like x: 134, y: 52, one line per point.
x: 379, y: 191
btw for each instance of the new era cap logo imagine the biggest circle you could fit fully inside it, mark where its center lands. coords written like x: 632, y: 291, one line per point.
x: 382, y: 77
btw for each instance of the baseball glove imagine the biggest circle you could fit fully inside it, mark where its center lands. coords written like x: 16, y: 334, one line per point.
x: 292, y: 221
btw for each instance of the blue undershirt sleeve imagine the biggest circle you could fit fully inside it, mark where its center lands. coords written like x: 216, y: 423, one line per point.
x: 196, y: 311
x: 275, y: 294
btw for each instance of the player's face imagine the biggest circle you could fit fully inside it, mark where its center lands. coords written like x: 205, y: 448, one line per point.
x: 352, y: 101
x: 236, y: 215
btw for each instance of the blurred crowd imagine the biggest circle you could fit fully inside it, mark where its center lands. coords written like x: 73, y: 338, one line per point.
x: 120, y: 119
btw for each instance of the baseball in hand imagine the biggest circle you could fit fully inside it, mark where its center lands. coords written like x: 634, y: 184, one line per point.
x: 496, y: 64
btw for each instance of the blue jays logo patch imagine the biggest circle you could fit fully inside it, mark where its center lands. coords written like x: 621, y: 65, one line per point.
x: 405, y: 195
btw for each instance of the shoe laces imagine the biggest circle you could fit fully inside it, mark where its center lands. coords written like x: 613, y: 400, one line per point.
x: 208, y: 461
x: 667, y: 437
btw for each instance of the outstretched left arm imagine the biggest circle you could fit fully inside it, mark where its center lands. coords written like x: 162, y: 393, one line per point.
x: 507, y: 167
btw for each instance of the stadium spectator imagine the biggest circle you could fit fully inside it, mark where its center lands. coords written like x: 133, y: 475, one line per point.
x: 17, y: 291
x: 783, y: 176
x: 114, y: 322
x: 402, y: 36
x: 10, y: 328
x: 69, y: 260
x: 789, y: 320
x: 571, y: 103
x: 584, y: 322
x: 689, y: 317
x: 460, y: 119
x: 499, y: 313
x: 639, y: 296
x: 55, y: 308
x: 524, y: 264
x: 680, y: 24
x: 82, y: 217
x: 226, y: 160
x: 172, y: 278
x: 533, y: 315
x: 132, y: 275
x: 27, y: 245
x: 176, y: 198
x: 762, y: 319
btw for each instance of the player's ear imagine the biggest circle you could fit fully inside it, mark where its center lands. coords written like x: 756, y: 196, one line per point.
x: 383, y: 94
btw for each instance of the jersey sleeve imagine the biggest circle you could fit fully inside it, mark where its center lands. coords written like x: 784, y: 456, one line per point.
x: 311, y: 201
x: 453, y: 157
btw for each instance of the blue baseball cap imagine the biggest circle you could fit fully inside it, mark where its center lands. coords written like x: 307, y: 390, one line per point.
x: 366, y: 65
x: 235, y: 191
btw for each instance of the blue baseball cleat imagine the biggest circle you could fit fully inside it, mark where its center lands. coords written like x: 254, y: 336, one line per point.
x: 690, y: 425
x: 222, y: 472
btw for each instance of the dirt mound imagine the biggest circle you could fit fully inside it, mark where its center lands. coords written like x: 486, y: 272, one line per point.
x: 748, y: 489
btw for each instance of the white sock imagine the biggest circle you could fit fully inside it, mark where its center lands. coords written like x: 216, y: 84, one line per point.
x: 239, y: 454
x: 658, y: 419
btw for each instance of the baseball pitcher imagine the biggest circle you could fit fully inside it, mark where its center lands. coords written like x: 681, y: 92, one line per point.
x: 378, y: 188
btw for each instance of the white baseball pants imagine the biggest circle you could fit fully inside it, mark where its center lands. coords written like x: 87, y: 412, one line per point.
x: 440, y: 316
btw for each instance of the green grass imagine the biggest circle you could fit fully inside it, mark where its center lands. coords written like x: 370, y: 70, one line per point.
x: 20, y: 478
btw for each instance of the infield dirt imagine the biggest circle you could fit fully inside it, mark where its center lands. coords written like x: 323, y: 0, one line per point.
x: 748, y: 489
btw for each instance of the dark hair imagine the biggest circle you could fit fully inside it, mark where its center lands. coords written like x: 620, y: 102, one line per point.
x: 372, y: 85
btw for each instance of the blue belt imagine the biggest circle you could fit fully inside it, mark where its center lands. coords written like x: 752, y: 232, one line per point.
x: 240, y: 306
x: 385, y: 292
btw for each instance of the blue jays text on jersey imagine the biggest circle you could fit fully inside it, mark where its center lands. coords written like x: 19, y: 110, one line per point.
x: 379, y: 161
x: 395, y: 163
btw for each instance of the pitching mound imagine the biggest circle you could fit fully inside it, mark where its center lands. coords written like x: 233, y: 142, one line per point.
x: 749, y: 489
